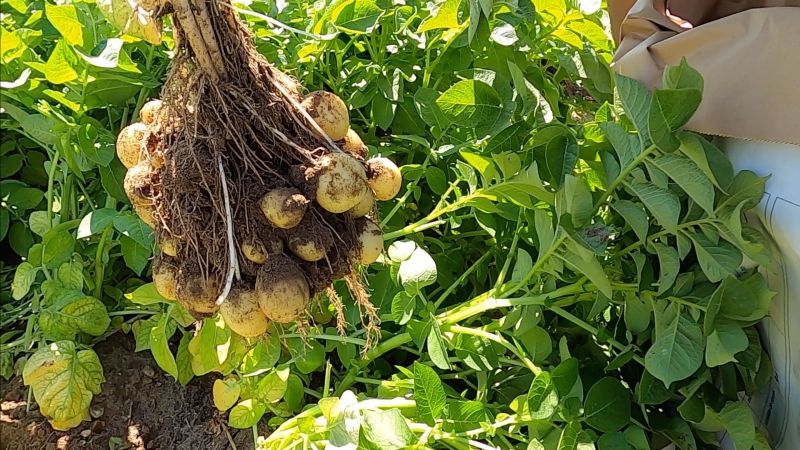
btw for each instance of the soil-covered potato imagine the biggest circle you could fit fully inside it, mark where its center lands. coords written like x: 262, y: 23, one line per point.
x: 353, y: 144
x: 165, y: 273
x: 130, y: 148
x: 284, y: 207
x: 150, y: 111
x: 283, y: 292
x: 138, y: 183
x: 330, y: 113
x: 168, y: 244
x: 253, y: 249
x: 364, y: 207
x: 341, y: 182
x: 310, y: 241
x: 385, y: 179
x: 370, y: 241
x: 195, y: 291
x: 242, y: 313
x: 147, y: 213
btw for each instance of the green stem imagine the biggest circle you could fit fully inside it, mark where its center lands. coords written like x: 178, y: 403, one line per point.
x: 402, y: 200
x: 501, y: 278
x: 51, y: 176
x: 429, y: 68
x: 536, y: 267
x: 327, y: 337
x: 592, y: 330
x: 622, y: 175
x: 461, y: 279
x: 99, y: 264
x: 660, y: 234
x: 423, y: 223
x: 496, y: 338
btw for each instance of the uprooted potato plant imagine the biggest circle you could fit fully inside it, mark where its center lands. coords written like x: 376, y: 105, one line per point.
x: 256, y: 208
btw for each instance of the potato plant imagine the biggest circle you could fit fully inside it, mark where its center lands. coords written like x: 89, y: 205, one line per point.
x: 563, y: 266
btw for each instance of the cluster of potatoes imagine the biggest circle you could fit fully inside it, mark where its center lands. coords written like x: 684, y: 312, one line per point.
x: 343, y: 183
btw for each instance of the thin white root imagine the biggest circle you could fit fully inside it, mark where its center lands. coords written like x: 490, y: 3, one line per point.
x: 233, y: 261
x: 289, y: 142
x: 195, y: 37
x: 308, y: 118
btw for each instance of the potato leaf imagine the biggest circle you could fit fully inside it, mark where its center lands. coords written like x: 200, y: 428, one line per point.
x: 64, y: 380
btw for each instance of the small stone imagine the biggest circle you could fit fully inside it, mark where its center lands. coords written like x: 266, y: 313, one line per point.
x: 97, y: 411
x: 149, y: 372
x: 86, y: 433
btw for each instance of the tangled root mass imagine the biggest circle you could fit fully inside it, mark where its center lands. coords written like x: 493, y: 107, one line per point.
x: 241, y: 115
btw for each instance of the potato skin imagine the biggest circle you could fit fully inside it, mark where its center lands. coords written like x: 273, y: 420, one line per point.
x: 254, y: 251
x: 138, y: 183
x: 330, y: 113
x: 130, y: 150
x: 341, y: 182
x: 150, y: 111
x: 370, y: 239
x: 306, y: 249
x: 353, y: 144
x: 384, y: 178
x: 283, y: 292
x: 198, y: 294
x: 168, y: 244
x: 364, y: 207
x: 284, y: 207
x: 164, y: 277
x: 242, y: 313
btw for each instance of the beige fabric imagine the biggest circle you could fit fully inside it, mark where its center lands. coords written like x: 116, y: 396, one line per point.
x: 748, y: 52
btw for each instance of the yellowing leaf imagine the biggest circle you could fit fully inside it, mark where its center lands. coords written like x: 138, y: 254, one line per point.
x: 445, y: 17
x: 226, y: 393
x: 64, y: 380
x: 64, y: 18
x: 136, y: 22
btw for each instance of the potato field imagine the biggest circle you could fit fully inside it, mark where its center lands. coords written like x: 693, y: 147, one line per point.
x: 365, y: 224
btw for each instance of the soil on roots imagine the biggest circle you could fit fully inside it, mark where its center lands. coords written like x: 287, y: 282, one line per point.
x: 244, y: 131
x: 140, y: 407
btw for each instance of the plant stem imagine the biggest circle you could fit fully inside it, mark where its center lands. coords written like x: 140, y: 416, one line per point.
x: 622, y: 175
x: 99, y: 265
x: 461, y: 279
x: 500, y: 340
x: 592, y: 330
x: 327, y: 337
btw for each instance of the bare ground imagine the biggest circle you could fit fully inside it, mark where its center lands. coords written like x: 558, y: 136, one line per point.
x: 140, y: 408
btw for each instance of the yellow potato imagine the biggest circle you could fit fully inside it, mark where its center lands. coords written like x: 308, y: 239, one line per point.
x: 330, y: 113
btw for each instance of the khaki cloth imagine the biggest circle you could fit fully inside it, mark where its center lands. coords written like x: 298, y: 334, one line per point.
x: 748, y: 52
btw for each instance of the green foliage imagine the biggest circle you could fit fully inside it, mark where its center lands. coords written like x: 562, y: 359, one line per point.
x: 561, y: 267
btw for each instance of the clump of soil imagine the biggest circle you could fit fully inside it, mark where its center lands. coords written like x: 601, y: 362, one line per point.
x: 139, y: 408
